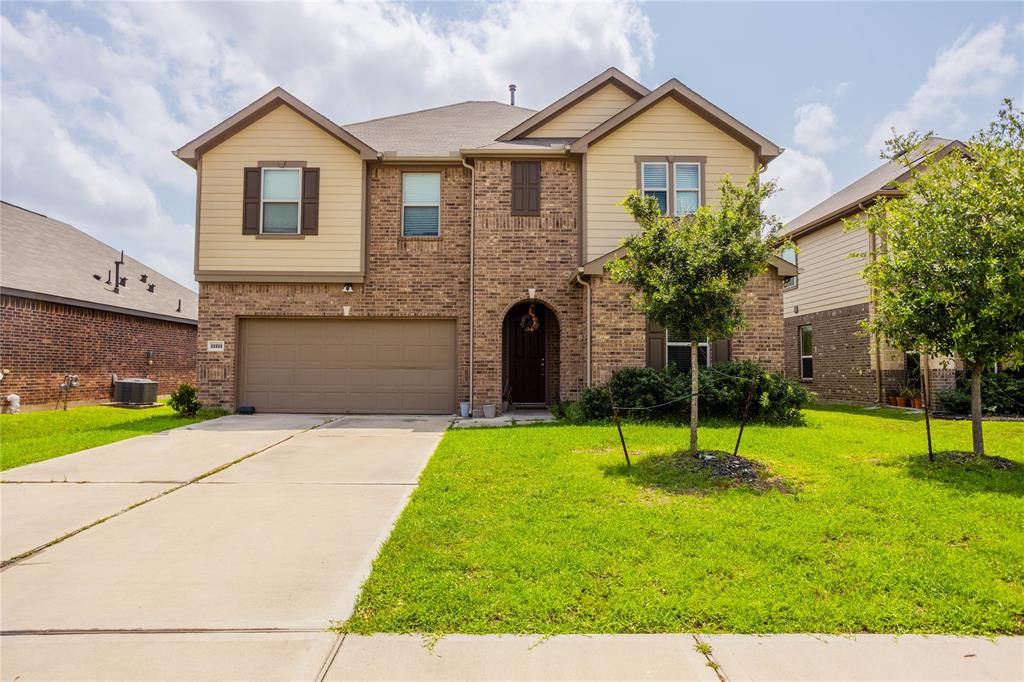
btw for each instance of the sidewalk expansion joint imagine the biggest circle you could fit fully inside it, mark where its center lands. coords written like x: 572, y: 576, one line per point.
x: 211, y: 472
x: 331, y: 655
x: 704, y: 648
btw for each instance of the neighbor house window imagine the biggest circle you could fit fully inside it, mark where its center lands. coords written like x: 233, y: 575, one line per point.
x: 687, y: 188
x: 281, y: 198
x: 654, y: 183
x: 806, y: 353
x: 789, y: 255
x: 421, y: 204
x: 679, y: 353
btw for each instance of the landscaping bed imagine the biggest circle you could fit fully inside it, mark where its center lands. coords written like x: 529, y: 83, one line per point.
x: 35, y: 436
x: 544, y: 529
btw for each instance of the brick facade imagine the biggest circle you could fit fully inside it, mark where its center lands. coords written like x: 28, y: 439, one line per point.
x: 619, y: 331
x: 429, y: 277
x: 843, y: 369
x: 40, y: 342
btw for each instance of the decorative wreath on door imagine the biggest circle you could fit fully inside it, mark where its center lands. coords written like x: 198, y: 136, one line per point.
x: 529, y: 322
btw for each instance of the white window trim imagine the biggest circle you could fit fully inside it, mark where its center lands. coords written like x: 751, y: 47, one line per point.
x: 808, y: 356
x: 667, y: 189
x: 675, y: 190
x: 297, y: 202
x: 706, y: 345
x: 437, y: 205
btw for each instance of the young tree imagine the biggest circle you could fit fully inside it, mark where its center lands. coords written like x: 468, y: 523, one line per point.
x: 949, y: 277
x: 688, y: 274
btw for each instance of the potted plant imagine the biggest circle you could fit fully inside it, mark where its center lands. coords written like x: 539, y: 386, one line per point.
x: 903, y: 395
x: 891, y: 398
x: 916, y: 401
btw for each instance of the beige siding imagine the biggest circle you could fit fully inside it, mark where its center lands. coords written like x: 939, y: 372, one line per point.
x: 281, y: 135
x: 666, y: 129
x: 587, y: 114
x: 829, y: 278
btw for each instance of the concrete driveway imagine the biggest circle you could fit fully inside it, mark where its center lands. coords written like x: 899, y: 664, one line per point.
x: 221, y: 550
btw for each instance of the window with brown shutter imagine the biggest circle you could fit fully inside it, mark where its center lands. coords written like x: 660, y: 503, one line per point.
x: 526, y: 188
x: 310, y: 200
x: 252, y: 182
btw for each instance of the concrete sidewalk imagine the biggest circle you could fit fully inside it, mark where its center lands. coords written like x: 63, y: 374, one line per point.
x: 676, y: 657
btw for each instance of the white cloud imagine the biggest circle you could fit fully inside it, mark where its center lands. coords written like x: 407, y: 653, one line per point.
x: 804, y: 180
x: 978, y: 64
x: 816, y: 128
x: 96, y: 95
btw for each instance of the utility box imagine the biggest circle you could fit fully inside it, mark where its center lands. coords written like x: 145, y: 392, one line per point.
x: 135, y: 391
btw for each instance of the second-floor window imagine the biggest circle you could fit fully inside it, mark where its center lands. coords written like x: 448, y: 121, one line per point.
x: 687, y: 188
x: 421, y: 204
x: 281, y: 198
x: 789, y: 255
x: 654, y: 182
x: 675, y: 184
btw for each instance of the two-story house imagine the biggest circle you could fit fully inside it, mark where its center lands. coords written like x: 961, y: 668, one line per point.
x: 825, y: 304
x: 410, y: 263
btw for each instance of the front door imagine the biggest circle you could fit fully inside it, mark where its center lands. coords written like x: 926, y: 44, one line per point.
x: 526, y: 334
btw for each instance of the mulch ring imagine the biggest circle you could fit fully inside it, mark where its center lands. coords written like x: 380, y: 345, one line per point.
x: 967, y: 458
x: 730, y: 471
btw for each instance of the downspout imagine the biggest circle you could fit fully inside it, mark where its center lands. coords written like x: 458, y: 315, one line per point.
x: 586, y: 285
x: 472, y: 248
x: 871, y: 312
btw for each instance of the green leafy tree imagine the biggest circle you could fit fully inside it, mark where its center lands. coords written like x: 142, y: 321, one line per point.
x: 688, y: 274
x: 949, y: 277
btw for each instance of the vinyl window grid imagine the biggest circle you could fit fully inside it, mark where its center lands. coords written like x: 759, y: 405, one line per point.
x: 676, y: 190
x: 297, y: 201
x: 704, y: 345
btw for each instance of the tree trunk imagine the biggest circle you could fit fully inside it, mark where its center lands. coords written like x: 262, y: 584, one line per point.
x: 979, y: 440
x: 694, y: 385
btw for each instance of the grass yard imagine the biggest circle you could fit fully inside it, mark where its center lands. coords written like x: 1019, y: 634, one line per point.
x: 542, y: 529
x: 35, y: 436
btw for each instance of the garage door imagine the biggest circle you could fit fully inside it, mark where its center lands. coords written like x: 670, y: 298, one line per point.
x: 331, y: 366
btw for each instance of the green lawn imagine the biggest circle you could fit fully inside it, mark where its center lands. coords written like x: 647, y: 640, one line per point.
x: 35, y: 436
x: 542, y: 529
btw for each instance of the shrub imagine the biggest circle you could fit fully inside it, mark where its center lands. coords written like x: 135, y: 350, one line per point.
x: 1001, y: 393
x: 723, y: 393
x: 184, y: 401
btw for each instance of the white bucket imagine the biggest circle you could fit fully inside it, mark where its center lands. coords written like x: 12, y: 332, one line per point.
x: 14, y: 403
x: 464, y: 408
x: 490, y: 412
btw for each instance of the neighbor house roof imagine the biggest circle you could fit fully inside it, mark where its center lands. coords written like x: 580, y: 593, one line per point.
x: 49, y: 260
x: 441, y: 131
x: 855, y: 196
x: 765, y: 148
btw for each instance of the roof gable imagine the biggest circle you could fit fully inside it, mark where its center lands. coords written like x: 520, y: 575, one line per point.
x: 611, y: 76
x: 762, y: 146
x: 190, y: 152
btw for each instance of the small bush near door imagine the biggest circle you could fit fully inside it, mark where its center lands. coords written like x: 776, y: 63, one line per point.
x: 724, y: 389
x: 184, y: 400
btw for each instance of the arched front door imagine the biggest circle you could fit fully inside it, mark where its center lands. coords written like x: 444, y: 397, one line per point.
x: 527, y: 329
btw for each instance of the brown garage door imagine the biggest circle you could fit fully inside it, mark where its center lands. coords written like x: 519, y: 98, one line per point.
x: 368, y: 366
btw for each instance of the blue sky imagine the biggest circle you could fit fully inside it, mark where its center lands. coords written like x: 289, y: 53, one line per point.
x: 95, y: 95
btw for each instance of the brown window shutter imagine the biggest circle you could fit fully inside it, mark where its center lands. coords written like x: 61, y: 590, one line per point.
x: 721, y: 351
x: 526, y: 188
x: 251, y: 201
x: 310, y: 200
x: 655, y: 346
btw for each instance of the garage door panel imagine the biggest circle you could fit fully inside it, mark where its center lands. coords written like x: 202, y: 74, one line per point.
x: 318, y: 365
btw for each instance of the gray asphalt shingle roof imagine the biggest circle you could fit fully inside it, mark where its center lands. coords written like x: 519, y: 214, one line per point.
x: 442, y: 130
x: 45, y: 256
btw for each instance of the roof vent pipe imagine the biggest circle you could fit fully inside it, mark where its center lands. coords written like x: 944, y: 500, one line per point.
x: 512, y: 94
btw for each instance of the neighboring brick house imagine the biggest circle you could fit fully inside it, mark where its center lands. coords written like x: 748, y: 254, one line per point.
x: 410, y: 263
x: 825, y: 344
x: 63, y: 311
